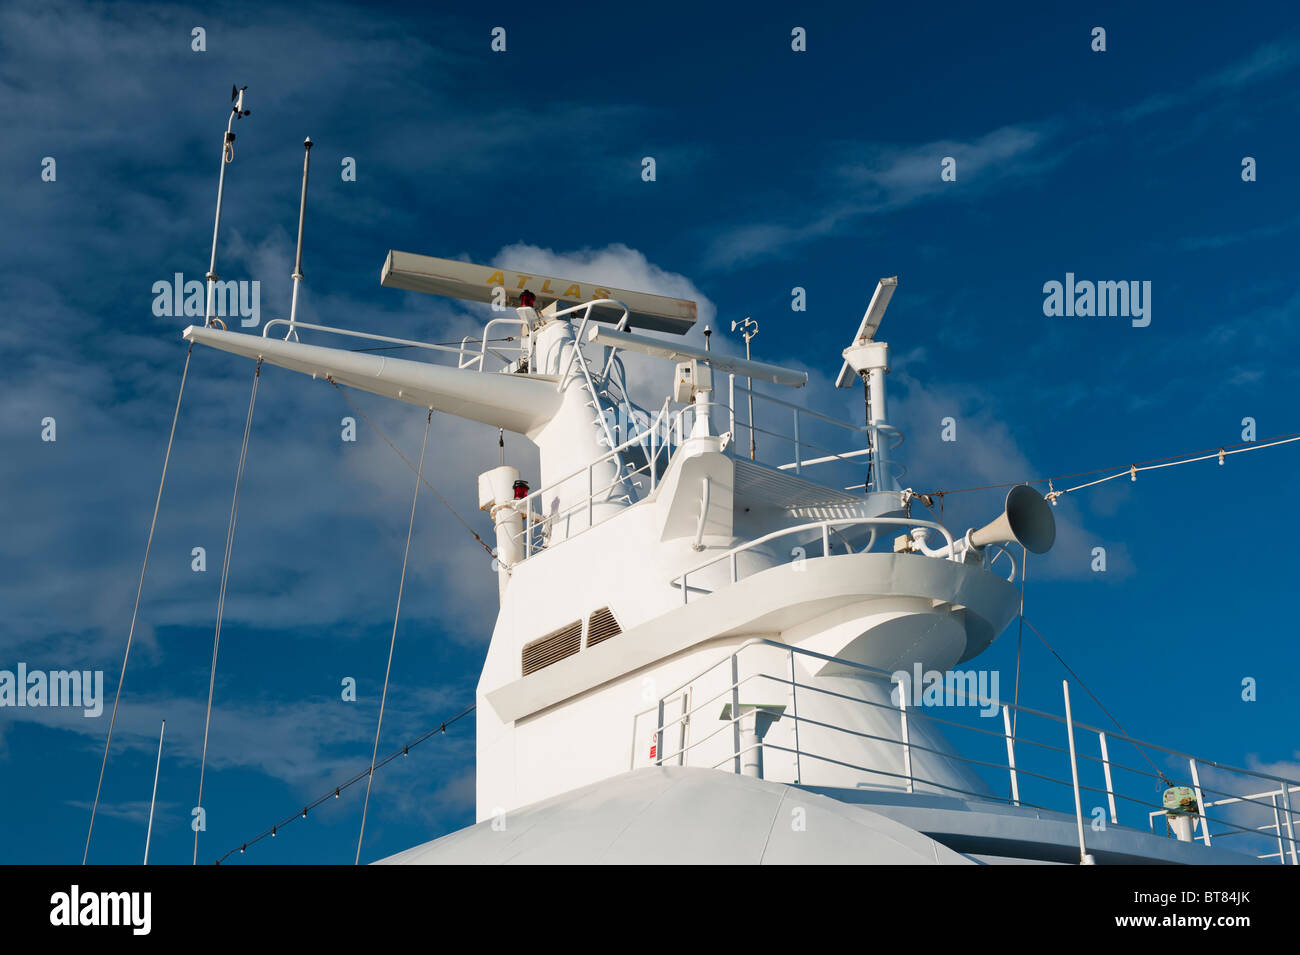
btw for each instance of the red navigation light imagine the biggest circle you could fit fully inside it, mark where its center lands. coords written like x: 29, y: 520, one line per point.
x: 521, y: 490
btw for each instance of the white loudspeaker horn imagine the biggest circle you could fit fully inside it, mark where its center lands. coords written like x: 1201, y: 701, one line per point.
x: 1026, y: 519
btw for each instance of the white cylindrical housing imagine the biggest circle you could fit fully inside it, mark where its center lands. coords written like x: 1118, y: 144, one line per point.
x: 496, y: 495
x: 876, y: 391
x: 497, y: 487
x: 876, y: 386
x: 751, y: 751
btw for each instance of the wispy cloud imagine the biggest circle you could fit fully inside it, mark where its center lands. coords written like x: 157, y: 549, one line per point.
x: 1269, y: 61
x: 1224, y: 239
x: 863, y: 179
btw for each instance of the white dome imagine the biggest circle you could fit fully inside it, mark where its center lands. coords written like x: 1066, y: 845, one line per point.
x: 676, y: 815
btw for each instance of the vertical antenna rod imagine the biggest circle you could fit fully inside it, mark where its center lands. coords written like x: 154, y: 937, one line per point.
x: 297, y: 275
x: 749, y: 331
x: 237, y: 111
x: 154, y: 798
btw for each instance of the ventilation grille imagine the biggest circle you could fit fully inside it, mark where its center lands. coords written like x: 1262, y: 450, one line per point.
x: 553, y: 647
x: 602, y: 626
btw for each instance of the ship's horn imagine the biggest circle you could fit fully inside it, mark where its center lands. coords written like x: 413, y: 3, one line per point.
x: 1026, y: 519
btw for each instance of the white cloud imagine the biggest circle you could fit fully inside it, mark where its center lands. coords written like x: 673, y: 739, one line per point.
x: 872, y: 178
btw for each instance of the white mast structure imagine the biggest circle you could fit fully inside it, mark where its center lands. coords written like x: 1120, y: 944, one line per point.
x: 670, y: 606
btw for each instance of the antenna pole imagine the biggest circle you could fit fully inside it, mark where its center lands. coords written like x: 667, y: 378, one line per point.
x: 152, y: 799
x: 872, y: 470
x: 749, y: 395
x: 297, y: 275
x: 749, y: 331
x: 237, y: 111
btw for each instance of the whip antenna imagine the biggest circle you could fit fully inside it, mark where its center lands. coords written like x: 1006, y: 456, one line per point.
x: 237, y: 111
x: 297, y: 275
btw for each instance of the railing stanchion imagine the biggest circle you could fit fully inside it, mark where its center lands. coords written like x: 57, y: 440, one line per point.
x: 797, y: 456
x: 794, y: 706
x: 1011, y: 755
x: 685, y: 596
x: 735, y: 573
x: 1290, y: 828
x: 731, y: 404
x: 659, y: 736
x: 528, y: 527
x: 654, y: 452
x: 1110, y: 788
x: 1200, y: 804
x: 745, y: 740
x: 682, y: 725
x: 907, y: 742
x: 735, y: 709
x: 826, y: 540
x: 1084, y: 858
x: 1277, y: 825
x: 591, y: 498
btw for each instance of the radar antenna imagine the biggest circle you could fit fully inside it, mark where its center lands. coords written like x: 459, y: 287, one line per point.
x: 868, y: 359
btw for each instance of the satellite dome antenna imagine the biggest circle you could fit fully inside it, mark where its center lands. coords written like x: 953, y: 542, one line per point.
x: 868, y: 359
x: 237, y: 111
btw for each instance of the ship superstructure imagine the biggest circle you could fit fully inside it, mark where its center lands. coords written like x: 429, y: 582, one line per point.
x: 685, y: 626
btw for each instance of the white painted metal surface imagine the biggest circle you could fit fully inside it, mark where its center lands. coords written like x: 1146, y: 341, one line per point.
x: 425, y: 273
x: 683, y: 816
x: 691, y: 554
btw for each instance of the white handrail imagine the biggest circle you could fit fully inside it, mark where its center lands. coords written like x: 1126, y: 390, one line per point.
x: 879, y: 432
x: 525, y: 504
x: 847, y: 426
x: 582, y: 329
x: 990, y: 561
x: 355, y: 334
x: 824, y: 526
x: 483, y: 349
x: 731, y: 691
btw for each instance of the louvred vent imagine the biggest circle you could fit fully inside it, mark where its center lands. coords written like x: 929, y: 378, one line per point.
x: 552, y: 648
x: 602, y: 626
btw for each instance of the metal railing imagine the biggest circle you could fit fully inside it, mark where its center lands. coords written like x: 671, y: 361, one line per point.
x: 467, y: 355
x: 879, y: 435
x: 481, y: 358
x: 461, y: 351
x: 576, y: 352
x: 537, y: 524
x: 1279, y: 799
x: 700, y: 693
x: 825, y: 527
x: 993, y: 551
x: 351, y: 333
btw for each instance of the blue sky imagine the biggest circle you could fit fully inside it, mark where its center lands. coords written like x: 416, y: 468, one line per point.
x: 775, y: 169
